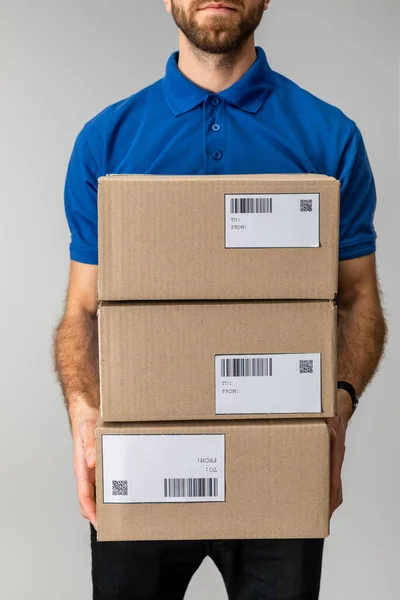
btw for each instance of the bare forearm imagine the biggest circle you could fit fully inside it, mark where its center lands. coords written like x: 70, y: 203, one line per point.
x: 76, y: 358
x: 361, y: 339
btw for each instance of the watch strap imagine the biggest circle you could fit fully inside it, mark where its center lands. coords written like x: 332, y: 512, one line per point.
x: 346, y: 385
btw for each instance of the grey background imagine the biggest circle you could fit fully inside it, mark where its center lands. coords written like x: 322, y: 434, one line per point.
x: 61, y: 62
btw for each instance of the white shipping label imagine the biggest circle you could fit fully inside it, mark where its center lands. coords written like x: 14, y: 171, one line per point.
x: 267, y: 383
x: 163, y: 468
x: 272, y: 221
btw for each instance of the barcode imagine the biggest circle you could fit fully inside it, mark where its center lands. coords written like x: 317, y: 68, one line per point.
x: 246, y: 367
x: 306, y: 366
x: 306, y: 205
x: 251, y: 205
x: 119, y: 487
x: 191, y: 487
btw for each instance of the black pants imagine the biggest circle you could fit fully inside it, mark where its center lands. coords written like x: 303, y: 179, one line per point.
x: 252, y: 569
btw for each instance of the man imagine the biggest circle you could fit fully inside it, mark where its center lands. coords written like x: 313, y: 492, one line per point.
x: 219, y: 109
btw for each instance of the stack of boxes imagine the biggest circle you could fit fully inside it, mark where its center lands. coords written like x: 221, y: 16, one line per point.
x: 217, y: 335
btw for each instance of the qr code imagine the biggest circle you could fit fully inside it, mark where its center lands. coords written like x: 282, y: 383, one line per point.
x: 306, y: 366
x: 119, y: 487
x: 305, y: 205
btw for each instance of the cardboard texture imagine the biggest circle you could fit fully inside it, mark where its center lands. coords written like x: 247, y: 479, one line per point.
x: 165, y: 237
x: 157, y: 359
x: 275, y: 483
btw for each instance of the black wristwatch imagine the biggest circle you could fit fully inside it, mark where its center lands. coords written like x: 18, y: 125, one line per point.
x: 345, y: 385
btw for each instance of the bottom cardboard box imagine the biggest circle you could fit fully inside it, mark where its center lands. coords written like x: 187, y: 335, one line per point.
x: 212, y: 480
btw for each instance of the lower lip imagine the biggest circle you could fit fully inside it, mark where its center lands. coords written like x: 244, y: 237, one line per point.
x: 219, y: 10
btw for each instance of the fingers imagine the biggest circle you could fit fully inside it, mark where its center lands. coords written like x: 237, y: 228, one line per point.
x: 85, y: 475
x: 87, y: 502
x: 85, y: 479
x: 336, y: 501
x: 337, y: 457
x: 89, y: 442
x: 333, y: 426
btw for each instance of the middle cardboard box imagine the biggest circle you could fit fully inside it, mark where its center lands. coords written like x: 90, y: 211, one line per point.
x: 224, y: 359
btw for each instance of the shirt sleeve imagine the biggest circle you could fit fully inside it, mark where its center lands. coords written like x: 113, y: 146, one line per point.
x: 80, y: 201
x: 357, y: 235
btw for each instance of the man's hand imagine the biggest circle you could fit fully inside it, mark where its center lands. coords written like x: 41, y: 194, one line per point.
x: 83, y: 421
x: 337, y: 429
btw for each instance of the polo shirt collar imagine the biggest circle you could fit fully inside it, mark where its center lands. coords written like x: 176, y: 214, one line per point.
x: 248, y: 93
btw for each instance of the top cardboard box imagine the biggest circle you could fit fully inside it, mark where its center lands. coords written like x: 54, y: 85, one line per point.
x: 183, y: 237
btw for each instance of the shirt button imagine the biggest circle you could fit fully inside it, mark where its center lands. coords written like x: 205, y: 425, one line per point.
x: 216, y: 127
x: 217, y: 154
x: 215, y: 101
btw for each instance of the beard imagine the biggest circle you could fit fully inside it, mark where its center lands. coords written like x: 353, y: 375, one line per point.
x: 221, y: 34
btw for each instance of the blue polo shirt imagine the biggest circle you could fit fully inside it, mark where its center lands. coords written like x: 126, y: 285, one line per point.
x: 263, y: 123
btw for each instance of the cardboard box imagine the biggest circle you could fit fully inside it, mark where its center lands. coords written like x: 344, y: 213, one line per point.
x: 179, y: 237
x: 190, y: 360
x: 212, y: 480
